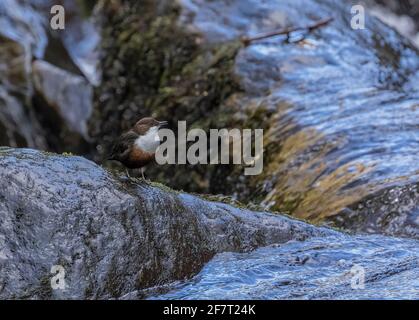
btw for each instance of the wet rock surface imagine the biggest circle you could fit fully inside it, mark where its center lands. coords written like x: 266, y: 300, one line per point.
x: 72, y: 48
x: 45, y: 105
x: 113, y: 236
x: 401, y: 15
x: 18, y: 124
x: 63, y: 102
x: 394, y: 211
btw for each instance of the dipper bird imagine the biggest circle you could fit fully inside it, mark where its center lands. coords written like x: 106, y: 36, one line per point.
x: 136, y: 148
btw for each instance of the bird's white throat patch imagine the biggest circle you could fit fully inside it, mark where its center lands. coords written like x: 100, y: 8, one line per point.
x: 150, y: 141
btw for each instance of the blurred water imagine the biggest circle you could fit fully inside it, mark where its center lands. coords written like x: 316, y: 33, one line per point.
x: 320, y: 268
x: 344, y: 103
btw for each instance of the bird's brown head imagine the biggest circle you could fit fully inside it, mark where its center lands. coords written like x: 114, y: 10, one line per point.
x: 143, y: 125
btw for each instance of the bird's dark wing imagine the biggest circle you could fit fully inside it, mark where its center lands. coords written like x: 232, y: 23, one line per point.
x: 123, y: 145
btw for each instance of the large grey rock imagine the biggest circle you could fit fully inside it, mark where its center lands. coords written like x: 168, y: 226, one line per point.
x: 113, y: 236
x: 69, y: 96
x: 61, y: 103
x: 73, y: 48
x: 19, y: 126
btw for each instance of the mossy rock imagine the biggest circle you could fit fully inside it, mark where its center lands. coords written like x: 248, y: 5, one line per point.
x: 158, y: 68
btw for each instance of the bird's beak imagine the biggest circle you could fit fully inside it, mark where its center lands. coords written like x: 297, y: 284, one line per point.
x: 162, y: 124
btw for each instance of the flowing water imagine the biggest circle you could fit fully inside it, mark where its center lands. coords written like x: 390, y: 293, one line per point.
x: 343, y: 127
x: 343, y: 105
x: 369, y: 267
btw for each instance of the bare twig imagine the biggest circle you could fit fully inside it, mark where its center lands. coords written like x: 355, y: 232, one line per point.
x: 247, y: 40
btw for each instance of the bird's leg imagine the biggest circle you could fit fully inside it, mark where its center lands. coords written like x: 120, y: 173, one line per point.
x: 127, y: 172
x: 142, y: 173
